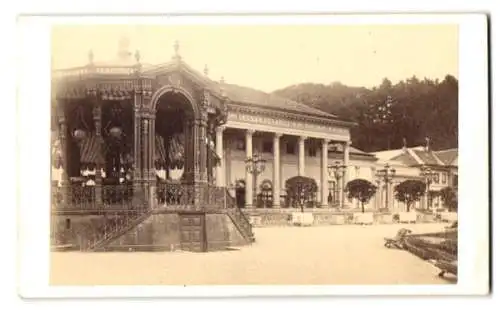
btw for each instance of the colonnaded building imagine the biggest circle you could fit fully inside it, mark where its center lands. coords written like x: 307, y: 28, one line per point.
x: 162, y: 157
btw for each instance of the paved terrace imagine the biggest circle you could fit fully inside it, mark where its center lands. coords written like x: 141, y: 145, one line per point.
x: 326, y: 255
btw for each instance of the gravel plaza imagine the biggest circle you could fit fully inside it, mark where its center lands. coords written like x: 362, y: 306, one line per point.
x: 321, y: 255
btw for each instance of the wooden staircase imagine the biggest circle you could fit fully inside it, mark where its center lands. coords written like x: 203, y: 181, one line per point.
x: 239, y: 219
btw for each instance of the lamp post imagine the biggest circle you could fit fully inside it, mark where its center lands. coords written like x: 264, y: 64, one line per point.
x: 337, y: 171
x: 428, y: 174
x: 255, y: 166
x: 386, y: 175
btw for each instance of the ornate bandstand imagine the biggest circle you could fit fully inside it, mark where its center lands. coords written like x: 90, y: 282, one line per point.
x: 118, y: 124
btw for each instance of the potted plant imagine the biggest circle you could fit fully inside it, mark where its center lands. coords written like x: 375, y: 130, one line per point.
x: 299, y: 189
x: 363, y: 191
x: 409, y: 192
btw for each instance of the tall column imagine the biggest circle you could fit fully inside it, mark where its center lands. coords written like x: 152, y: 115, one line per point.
x: 151, y: 157
x: 137, y: 176
x: 346, y: 174
x: 324, y: 173
x: 64, y: 150
x: 276, y: 171
x: 219, y: 149
x: 249, y: 177
x: 97, y: 112
x: 301, y: 156
x: 203, y: 149
x: 145, y: 155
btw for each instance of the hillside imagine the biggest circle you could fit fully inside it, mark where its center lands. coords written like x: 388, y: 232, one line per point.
x: 389, y: 113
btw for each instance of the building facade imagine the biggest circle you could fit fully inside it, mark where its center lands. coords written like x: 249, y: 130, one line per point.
x: 238, y: 127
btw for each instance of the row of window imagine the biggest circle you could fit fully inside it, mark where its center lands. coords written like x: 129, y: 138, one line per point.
x: 267, y: 147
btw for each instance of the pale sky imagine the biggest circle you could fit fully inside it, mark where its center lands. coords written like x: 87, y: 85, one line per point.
x: 273, y: 57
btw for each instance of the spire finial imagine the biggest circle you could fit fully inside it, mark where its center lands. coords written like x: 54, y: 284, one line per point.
x: 205, y: 70
x: 137, y: 56
x: 91, y: 56
x: 222, y: 80
x: 176, y: 47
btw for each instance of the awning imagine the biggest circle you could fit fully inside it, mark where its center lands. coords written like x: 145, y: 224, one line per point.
x: 176, y: 152
x: 160, y: 151
x: 90, y: 150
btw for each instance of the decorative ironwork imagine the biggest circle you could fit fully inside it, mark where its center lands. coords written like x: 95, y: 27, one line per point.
x: 175, y: 194
x: 84, y: 197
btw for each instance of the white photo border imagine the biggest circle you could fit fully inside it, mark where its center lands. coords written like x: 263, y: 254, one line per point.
x: 34, y: 158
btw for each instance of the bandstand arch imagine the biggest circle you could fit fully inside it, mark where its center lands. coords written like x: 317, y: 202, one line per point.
x: 164, y: 90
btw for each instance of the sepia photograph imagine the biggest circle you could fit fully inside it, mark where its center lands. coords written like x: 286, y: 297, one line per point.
x: 255, y: 154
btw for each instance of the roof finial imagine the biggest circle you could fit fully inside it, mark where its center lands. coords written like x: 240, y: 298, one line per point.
x: 205, y: 70
x: 137, y: 56
x: 404, y: 143
x: 427, y: 144
x: 91, y: 56
x: 222, y: 80
x: 176, y: 50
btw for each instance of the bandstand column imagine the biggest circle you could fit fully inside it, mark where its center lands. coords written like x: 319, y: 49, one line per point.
x: 137, y: 177
x: 97, y: 114
x: 145, y: 155
x: 203, y: 150
x: 219, y: 147
x: 276, y: 171
x: 302, y: 139
x: 324, y: 173
x: 64, y: 150
x: 249, y: 177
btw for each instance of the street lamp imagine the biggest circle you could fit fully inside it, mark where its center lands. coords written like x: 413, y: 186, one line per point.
x: 255, y: 165
x: 386, y: 175
x: 428, y: 175
x: 337, y: 171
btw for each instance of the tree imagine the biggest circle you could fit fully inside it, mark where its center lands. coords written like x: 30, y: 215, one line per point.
x: 409, y: 191
x: 449, y: 196
x: 419, y: 108
x: 300, y: 189
x: 362, y: 190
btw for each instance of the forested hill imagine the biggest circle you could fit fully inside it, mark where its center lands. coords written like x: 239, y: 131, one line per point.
x: 389, y: 113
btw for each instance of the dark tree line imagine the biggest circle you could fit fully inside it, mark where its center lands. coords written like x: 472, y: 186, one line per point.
x: 390, y: 113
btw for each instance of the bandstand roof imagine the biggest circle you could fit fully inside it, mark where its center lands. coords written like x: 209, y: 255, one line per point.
x: 127, y: 63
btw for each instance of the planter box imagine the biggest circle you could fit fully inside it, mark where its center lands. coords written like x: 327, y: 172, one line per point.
x: 255, y: 220
x: 363, y: 218
x: 383, y: 218
x: 449, y: 217
x: 408, y: 217
x: 302, y: 219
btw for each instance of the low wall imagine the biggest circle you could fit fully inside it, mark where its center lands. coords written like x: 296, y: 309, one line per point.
x: 283, y: 217
x: 158, y: 232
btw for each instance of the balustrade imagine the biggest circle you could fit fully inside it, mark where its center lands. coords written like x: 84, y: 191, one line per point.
x: 84, y: 197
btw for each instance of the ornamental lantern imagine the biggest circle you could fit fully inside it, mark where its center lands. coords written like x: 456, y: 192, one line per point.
x: 115, y: 132
x: 79, y: 134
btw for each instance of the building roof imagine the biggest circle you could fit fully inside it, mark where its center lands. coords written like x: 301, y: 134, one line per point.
x: 246, y: 95
x: 236, y: 93
x: 411, y: 156
x: 339, y: 148
x: 447, y: 156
